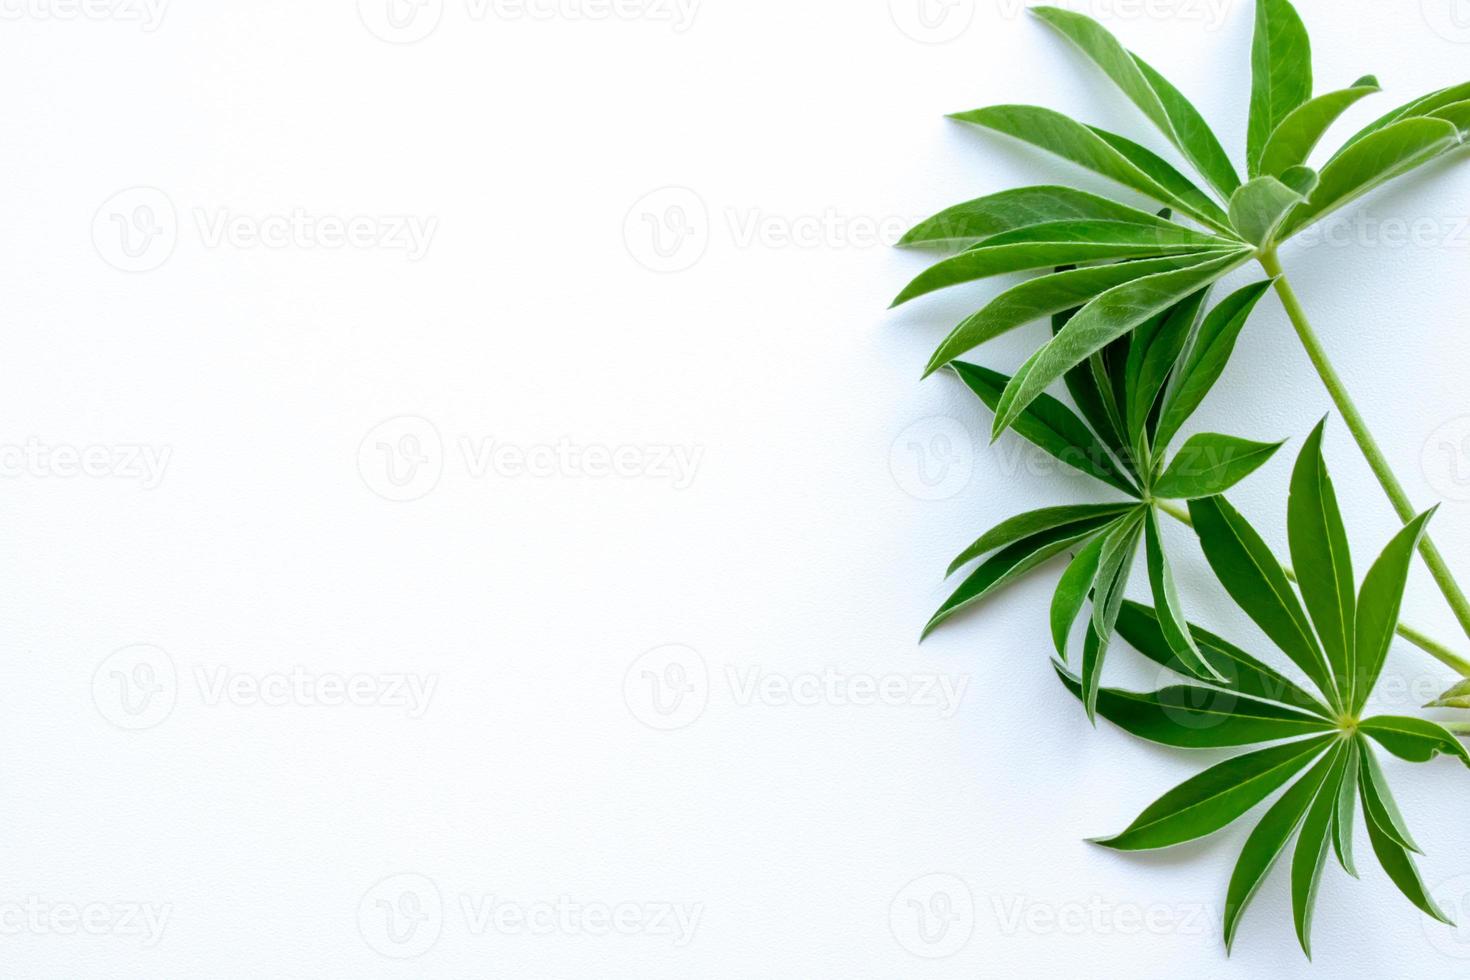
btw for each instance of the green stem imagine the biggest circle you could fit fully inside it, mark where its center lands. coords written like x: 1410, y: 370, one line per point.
x: 1429, y: 645
x: 1366, y: 443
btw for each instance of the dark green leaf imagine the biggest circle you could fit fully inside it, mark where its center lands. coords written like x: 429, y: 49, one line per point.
x: 1281, y: 73
x: 1198, y: 717
x: 1258, y: 584
x: 1102, y: 320
x: 1347, y: 803
x: 1153, y: 350
x: 1389, y: 842
x: 1300, y: 131
x: 1072, y: 589
x: 1378, y: 802
x: 1043, y: 296
x: 1414, y: 739
x: 1319, y: 551
x: 1259, y: 207
x: 1033, y: 521
x: 1113, y: 569
x: 1209, y: 463
x: 1204, y: 358
x: 1139, y: 625
x: 1166, y: 604
x: 1379, y: 599
x: 994, y: 214
x: 1311, y: 847
x: 1052, y: 426
x: 1213, y: 799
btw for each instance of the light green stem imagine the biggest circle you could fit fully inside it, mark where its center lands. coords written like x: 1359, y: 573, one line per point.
x: 1424, y: 642
x: 1366, y: 443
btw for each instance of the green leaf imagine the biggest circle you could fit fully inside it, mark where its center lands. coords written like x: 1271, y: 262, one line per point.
x: 1342, y: 817
x: 1379, y: 599
x: 985, y: 260
x: 1087, y: 395
x: 1204, y: 358
x: 1311, y: 847
x: 1072, y: 589
x: 1457, y: 113
x: 1022, y: 207
x: 1034, y: 521
x: 1183, y: 194
x: 1151, y: 92
x: 1414, y: 739
x: 1268, y: 840
x: 1153, y: 350
x: 1378, y: 802
x: 1458, y: 696
x: 1139, y: 625
x: 1259, y: 208
x: 1198, y: 717
x: 1301, y: 130
x: 1303, y: 180
x: 1423, y: 105
x: 1052, y: 426
x: 1045, y: 295
x: 1113, y: 569
x: 1281, y: 73
x: 1084, y: 146
x: 1319, y: 551
x: 1166, y: 604
x: 1372, y: 161
x: 1204, y: 803
x: 1389, y: 842
x: 1258, y: 584
x: 1103, y: 319
x: 1209, y: 463
x: 1011, y: 562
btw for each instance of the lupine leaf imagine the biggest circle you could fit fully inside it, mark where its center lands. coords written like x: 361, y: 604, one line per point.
x: 1087, y: 395
x: 1297, y: 135
x: 1198, y: 717
x: 1139, y: 625
x: 1323, y: 562
x: 1414, y: 739
x: 1210, y: 463
x: 1072, y: 589
x: 1281, y: 73
x: 1153, y: 350
x: 1166, y: 604
x: 1379, y: 599
x: 1458, y: 696
x: 1257, y: 583
x: 1204, y: 358
x: 1346, y: 805
x: 1204, y: 803
x: 1022, y: 207
x: 1378, y: 802
x: 1102, y: 320
x: 1311, y: 848
x: 1113, y: 569
x: 1424, y: 104
x: 1045, y: 295
x: 1457, y: 113
x: 1011, y: 562
x: 1183, y: 194
x: 1151, y: 92
x: 1033, y: 521
x: 1376, y: 159
x: 1259, y: 207
x: 1052, y: 426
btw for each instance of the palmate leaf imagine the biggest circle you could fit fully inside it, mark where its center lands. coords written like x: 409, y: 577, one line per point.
x: 1046, y: 295
x: 995, y: 214
x: 1032, y: 522
x: 1423, y: 105
x: 1320, y: 554
x: 1210, y: 463
x: 1311, y: 846
x: 1115, y: 563
x: 1343, y: 810
x: 1090, y: 148
x: 1389, y: 836
x: 1379, y: 600
x: 1170, y: 615
x: 1298, y: 134
x: 1281, y: 74
x: 1104, y: 319
x: 1160, y: 101
x: 1052, y: 426
x: 1153, y: 350
x: 1072, y: 591
x: 1413, y: 739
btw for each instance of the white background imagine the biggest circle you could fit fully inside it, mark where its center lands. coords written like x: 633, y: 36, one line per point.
x: 800, y: 834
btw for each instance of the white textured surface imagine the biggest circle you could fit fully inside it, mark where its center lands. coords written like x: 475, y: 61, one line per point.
x: 780, y: 546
